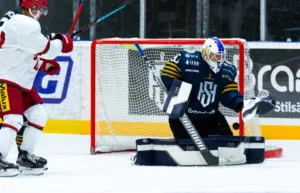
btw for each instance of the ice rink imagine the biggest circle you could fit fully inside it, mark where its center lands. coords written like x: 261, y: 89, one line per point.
x: 73, y: 170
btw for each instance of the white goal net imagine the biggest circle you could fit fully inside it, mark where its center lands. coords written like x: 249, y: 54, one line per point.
x: 126, y: 101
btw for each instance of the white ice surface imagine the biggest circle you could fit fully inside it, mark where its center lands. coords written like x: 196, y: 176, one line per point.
x: 73, y: 170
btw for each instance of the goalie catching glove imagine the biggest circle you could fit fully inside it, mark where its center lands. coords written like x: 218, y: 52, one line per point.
x: 259, y: 105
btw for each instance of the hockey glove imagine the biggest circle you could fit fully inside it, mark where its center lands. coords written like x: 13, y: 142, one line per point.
x: 50, y: 67
x: 51, y: 36
x: 261, y: 104
x: 178, y: 98
x: 67, y: 42
x: 239, y: 107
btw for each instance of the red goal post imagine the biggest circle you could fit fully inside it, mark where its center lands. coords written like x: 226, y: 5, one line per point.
x: 114, y: 132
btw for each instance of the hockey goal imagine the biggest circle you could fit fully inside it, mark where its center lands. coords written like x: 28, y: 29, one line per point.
x: 126, y: 101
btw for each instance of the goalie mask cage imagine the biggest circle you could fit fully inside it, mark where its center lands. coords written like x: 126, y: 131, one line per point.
x: 126, y: 101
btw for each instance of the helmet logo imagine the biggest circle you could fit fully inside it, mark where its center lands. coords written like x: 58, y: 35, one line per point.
x: 205, y: 53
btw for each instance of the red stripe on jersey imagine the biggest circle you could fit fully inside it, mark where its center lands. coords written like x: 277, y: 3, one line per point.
x: 2, y: 39
x: 35, y: 125
x: 46, y: 49
x: 10, y: 126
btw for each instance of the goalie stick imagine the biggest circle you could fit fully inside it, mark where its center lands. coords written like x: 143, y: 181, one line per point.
x: 100, y: 19
x: 186, y: 122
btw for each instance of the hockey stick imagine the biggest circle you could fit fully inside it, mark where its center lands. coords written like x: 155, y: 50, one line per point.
x: 185, y: 121
x: 76, y: 18
x: 100, y: 19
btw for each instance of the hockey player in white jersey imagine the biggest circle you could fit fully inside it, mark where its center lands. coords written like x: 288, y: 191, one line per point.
x: 23, y: 52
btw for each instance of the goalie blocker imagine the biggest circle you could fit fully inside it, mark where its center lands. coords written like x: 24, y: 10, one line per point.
x: 231, y: 150
x: 177, y: 99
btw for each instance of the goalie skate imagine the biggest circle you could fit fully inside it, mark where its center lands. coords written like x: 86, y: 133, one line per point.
x: 7, y: 169
x: 29, y: 164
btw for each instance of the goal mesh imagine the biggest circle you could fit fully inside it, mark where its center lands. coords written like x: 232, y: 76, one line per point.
x: 126, y: 101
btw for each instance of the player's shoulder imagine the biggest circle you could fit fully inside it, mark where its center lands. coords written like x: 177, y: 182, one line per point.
x: 229, y: 69
x: 25, y: 23
x: 185, y: 56
x: 190, y: 54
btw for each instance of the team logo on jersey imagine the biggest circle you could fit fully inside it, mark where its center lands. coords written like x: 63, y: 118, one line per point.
x: 54, y: 89
x: 191, y: 70
x: 228, y: 71
x: 192, y: 63
x: 225, y: 76
x: 209, y: 77
x: 5, y: 105
x: 207, y: 93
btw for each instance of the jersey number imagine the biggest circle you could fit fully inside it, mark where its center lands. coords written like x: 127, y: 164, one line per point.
x: 6, y: 17
x: 207, y: 93
x: 176, y: 59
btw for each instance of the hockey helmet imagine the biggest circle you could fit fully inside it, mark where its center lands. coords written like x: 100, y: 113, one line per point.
x: 214, y: 53
x: 36, y: 4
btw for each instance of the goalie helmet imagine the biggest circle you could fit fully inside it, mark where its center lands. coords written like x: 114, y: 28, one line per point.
x: 214, y: 53
x: 40, y: 5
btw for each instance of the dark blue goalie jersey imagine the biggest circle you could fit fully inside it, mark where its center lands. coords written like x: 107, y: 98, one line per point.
x: 208, y: 88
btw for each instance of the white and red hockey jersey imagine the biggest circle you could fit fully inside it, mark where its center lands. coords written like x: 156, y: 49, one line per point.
x: 21, y: 41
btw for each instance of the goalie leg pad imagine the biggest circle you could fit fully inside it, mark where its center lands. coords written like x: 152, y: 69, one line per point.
x: 254, y: 147
x: 255, y: 151
x: 177, y: 99
x: 183, y: 152
x: 171, y: 152
x: 231, y: 150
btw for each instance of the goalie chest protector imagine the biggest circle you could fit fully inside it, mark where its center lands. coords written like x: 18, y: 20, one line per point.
x: 183, y: 152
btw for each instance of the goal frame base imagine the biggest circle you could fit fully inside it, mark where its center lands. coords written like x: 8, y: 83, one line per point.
x: 273, y: 152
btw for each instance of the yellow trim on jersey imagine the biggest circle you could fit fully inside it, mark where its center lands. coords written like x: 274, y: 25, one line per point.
x: 231, y: 85
x: 168, y: 75
x: 174, y: 65
x: 171, y: 68
x: 228, y: 89
x: 235, y: 87
x: 171, y: 73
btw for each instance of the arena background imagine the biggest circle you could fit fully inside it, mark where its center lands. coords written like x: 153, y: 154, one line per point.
x: 178, y: 19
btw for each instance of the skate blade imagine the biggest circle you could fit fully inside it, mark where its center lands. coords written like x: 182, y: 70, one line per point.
x: 31, y: 171
x: 9, y: 173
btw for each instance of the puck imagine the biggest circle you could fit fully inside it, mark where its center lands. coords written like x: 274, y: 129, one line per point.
x: 236, y: 126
